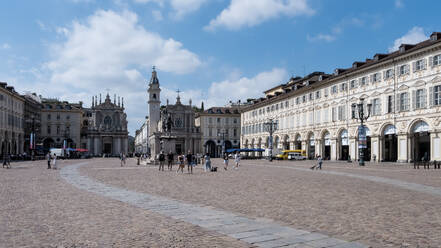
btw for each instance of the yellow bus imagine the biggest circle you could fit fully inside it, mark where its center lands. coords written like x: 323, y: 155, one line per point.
x: 291, y: 154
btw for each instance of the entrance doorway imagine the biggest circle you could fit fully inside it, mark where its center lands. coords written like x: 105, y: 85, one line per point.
x: 107, y: 145
x: 344, y: 145
x: 390, y: 141
x: 327, y: 146
x: 421, y: 141
x: 298, y: 142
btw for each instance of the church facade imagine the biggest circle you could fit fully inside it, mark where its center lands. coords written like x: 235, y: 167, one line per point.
x: 172, y: 126
x: 105, y: 127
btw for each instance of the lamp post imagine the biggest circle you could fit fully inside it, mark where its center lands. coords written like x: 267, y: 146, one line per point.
x: 362, y: 144
x: 222, y: 134
x: 271, y: 126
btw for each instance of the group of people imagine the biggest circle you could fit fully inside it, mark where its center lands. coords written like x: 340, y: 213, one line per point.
x: 236, y: 160
x: 51, y: 161
x: 191, y: 161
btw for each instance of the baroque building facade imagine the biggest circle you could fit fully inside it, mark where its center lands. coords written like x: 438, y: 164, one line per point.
x: 11, y: 120
x: 104, y: 127
x: 220, y: 128
x: 171, y: 126
x: 314, y: 112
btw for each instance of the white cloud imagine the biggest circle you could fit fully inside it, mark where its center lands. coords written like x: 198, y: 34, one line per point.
x: 220, y: 93
x: 399, y: 4
x: 180, y: 7
x: 248, y: 13
x: 5, y: 46
x: 157, y: 15
x: 415, y: 35
x: 111, y: 50
x: 321, y: 37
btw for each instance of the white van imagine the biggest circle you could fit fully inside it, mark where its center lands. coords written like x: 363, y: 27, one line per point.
x: 57, y: 151
x: 296, y: 156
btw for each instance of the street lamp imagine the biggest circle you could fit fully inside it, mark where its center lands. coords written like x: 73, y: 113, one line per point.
x: 271, y: 126
x: 222, y: 134
x: 362, y: 143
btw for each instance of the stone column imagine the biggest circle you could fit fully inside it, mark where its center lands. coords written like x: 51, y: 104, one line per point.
x: 334, y: 149
x: 126, y: 145
x: 375, y: 148
x: 319, y: 147
x: 353, y: 148
x: 435, y: 146
x: 95, y: 148
x: 403, y: 149
x: 306, y: 148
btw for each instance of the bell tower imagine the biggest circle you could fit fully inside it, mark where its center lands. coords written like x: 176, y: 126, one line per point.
x: 154, y: 102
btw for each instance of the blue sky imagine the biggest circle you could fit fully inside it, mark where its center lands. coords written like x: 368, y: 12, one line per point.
x: 212, y: 50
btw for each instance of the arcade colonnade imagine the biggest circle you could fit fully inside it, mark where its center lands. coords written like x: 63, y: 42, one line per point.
x: 385, y: 142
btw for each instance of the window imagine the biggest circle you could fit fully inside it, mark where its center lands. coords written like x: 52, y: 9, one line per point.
x: 268, y: 109
x: 68, y: 117
x: 342, y: 112
x: 420, y: 98
x: 317, y: 116
x: 363, y: 81
x: 353, y: 84
x: 218, y: 132
x: 298, y: 100
x: 48, y: 129
x: 277, y: 106
x: 343, y: 87
x: 436, y: 60
x: 376, y: 106
x: 334, y: 89
x: 210, y: 120
x: 403, y: 70
x: 326, y: 92
x: 286, y: 104
x: 334, y: 114
x: 419, y: 65
x: 48, y: 116
x: 272, y: 108
x: 58, y: 130
x: 375, y: 78
x: 311, y: 96
x: 218, y: 120
x: 311, y: 118
x: 404, y: 101
x: 437, y: 95
x: 226, y: 120
x: 235, y: 120
x: 388, y: 74
x: 58, y: 116
x: 317, y: 94
x: 210, y: 132
x: 390, y: 104
x: 304, y: 98
x: 235, y: 132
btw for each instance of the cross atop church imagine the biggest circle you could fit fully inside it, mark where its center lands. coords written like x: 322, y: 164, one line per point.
x: 178, y: 91
x: 153, y: 67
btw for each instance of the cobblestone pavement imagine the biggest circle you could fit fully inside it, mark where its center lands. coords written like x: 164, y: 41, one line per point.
x: 347, y: 208
x: 39, y: 209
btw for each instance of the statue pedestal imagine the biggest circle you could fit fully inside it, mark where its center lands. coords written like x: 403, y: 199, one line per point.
x: 168, y: 143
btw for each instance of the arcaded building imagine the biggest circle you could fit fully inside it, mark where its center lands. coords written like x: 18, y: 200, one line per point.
x: 314, y: 112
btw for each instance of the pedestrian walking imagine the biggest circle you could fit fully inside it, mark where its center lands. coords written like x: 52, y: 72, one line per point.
x: 237, y: 160
x: 48, y: 158
x: 161, y: 159
x: 189, y: 162
x: 170, y: 158
x: 7, y: 161
x: 207, y: 162
x: 54, y: 159
x: 319, y: 163
x: 181, y: 159
x: 225, y: 161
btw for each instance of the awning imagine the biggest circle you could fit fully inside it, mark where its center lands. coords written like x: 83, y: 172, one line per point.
x: 81, y: 150
x: 246, y: 150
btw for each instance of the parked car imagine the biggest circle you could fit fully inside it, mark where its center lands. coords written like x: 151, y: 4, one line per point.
x: 296, y: 156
